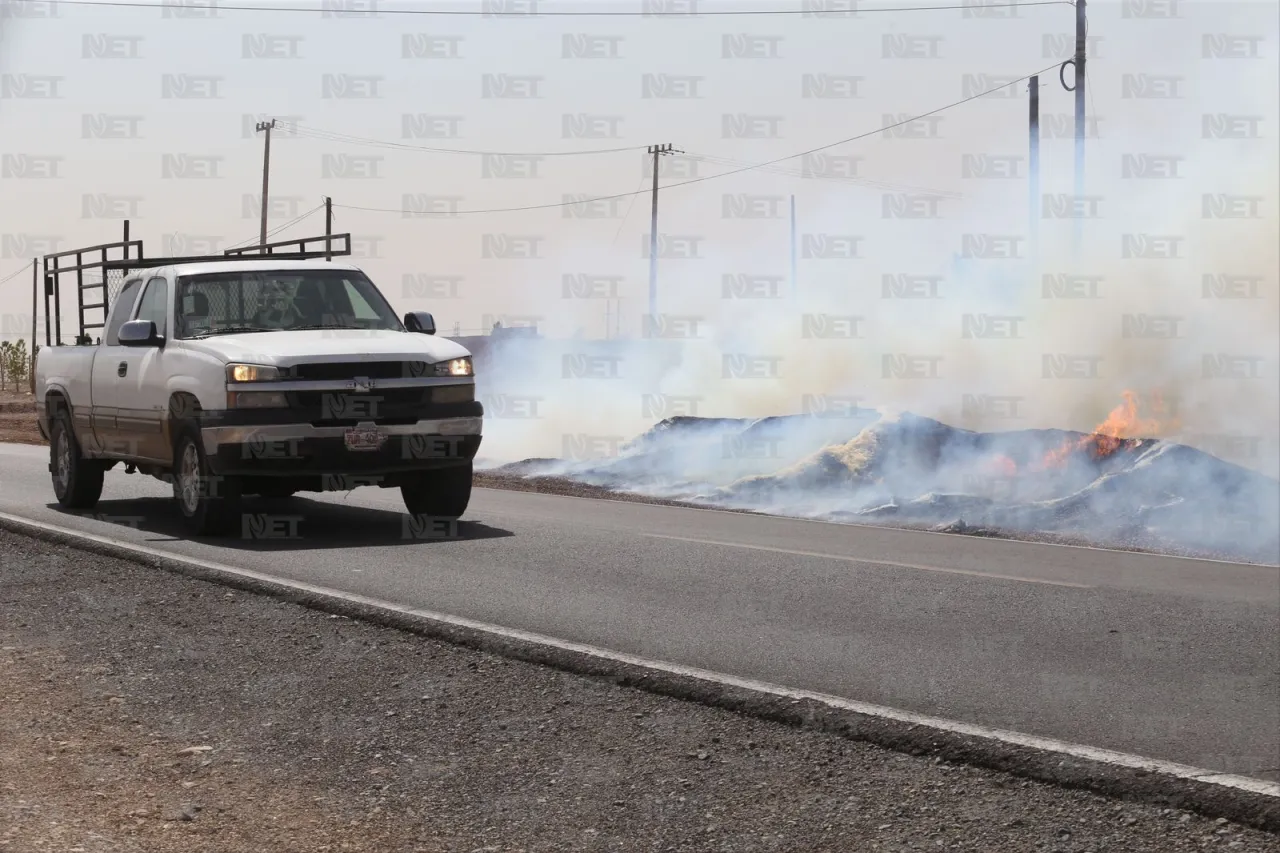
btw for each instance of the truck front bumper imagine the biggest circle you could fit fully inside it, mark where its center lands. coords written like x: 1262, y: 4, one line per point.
x: 304, y: 450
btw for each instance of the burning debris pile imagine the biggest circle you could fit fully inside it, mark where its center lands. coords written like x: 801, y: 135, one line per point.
x: 1111, y: 486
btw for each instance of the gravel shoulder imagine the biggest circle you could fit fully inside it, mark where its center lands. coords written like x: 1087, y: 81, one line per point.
x: 141, y: 710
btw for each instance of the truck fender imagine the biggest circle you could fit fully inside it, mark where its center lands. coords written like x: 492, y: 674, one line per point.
x: 185, y: 406
x: 55, y: 394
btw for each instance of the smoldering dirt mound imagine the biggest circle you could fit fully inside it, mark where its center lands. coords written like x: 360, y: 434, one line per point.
x: 873, y: 468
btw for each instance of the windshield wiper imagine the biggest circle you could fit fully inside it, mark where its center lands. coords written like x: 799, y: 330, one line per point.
x: 329, y: 326
x: 231, y: 330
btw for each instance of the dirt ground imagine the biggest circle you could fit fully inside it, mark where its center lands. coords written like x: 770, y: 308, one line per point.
x: 18, y: 419
x: 146, y: 711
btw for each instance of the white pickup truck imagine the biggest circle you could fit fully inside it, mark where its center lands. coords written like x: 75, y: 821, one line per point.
x: 260, y: 377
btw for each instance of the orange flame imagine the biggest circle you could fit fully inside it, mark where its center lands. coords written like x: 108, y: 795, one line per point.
x: 1002, y: 465
x: 1124, y: 425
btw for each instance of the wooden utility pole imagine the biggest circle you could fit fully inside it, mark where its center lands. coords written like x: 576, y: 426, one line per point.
x: 1082, y: 27
x: 266, y: 175
x: 1033, y: 180
x: 655, y: 151
x: 35, y: 288
x: 795, y: 285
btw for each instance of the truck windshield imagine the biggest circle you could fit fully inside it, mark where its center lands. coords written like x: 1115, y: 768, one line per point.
x: 272, y: 301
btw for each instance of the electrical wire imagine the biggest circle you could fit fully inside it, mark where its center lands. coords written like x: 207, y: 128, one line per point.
x: 14, y: 275
x: 292, y: 222
x: 306, y: 132
x: 746, y: 168
x: 278, y: 229
x: 615, y: 14
x: 1087, y: 82
x: 627, y: 215
x: 870, y: 183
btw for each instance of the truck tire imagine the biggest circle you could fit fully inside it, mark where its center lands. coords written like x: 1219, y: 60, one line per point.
x: 77, y: 481
x: 440, y: 494
x: 210, y: 505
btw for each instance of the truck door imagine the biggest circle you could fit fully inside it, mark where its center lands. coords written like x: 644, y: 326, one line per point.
x: 105, y: 378
x: 144, y: 398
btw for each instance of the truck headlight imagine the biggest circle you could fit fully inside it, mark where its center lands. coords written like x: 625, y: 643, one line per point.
x: 455, y: 367
x: 251, y: 373
x: 256, y: 400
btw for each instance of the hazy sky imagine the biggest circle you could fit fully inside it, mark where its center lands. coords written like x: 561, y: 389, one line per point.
x: 148, y: 112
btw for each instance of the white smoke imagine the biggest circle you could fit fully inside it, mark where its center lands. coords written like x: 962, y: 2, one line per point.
x: 1215, y: 371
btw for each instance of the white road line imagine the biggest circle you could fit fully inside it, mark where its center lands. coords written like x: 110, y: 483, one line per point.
x: 1104, y: 756
x: 872, y: 561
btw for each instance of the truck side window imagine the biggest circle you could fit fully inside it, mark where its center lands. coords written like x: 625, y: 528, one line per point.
x: 120, y: 312
x: 153, y: 304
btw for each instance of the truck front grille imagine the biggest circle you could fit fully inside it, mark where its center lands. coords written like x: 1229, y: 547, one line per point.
x: 385, y: 407
x: 343, y: 370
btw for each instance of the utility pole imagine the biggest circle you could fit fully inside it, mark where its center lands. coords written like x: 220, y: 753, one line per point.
x: 1082, y: 27
x: 35, y: 288
x: 328, y: 228
x: 266, y: 174
x: 656, y: 151
x: 795, y: 284
x: 1033, y: 180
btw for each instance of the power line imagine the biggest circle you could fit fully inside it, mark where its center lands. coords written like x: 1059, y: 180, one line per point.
x: 292, y: 222
x: 622, y: 14
x: 869, y: 183
x: 745, y: 168
x: 278, y: 229
x: 627, y: 215
x: 14, y: 275
x: 305, y: 132
x: 316, y: 133
x: 1088, y: 82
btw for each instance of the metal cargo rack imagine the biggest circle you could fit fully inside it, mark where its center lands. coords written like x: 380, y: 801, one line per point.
x: 111, y: 264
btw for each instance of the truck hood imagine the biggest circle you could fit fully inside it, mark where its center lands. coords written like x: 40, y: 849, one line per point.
x: 312, y: 345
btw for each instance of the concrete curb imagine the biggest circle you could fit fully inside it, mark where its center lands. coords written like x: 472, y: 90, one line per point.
x: 1250, y: 802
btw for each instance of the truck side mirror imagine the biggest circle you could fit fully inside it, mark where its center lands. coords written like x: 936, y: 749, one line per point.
x: 140, y: 333
x: 421, y: 322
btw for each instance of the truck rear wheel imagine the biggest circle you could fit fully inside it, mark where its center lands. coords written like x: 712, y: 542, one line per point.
x: 440, y: 494
x: 77, y: 481
x: 210, y: 505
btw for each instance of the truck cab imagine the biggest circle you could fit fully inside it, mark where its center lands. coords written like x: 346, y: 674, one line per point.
x: 265, y: 377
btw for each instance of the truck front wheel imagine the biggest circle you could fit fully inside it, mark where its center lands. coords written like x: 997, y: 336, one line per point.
x: 77, y: 482
x: 210, y: 505
x: 440, y: 494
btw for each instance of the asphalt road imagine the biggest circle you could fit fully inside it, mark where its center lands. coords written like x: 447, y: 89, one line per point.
x: 1163, y: 657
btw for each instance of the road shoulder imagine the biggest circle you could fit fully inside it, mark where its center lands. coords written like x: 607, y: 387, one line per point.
x: 328, y: 733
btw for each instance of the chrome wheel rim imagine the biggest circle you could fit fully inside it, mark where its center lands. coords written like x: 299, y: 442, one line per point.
x: 189, y: 479
x: 64, y: 461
